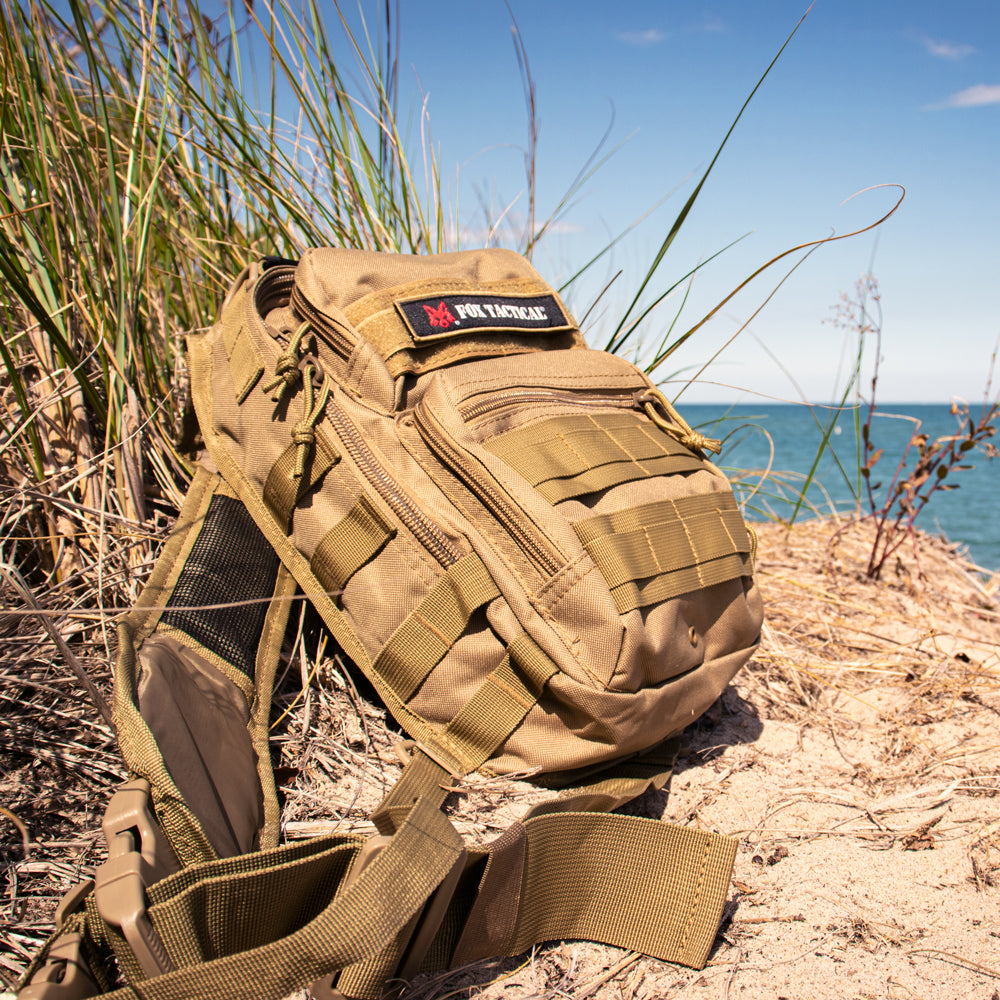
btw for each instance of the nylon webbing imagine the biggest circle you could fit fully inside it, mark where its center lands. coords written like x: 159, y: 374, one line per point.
x: 283, y: 489
x: 421, y: 778
x: 354, y: 540
x: 567, y: 456
x: 673, y: 546
x: 606, y: 476
x: 472, y: 737
x: 264, y: 924
x: 616, y: 785
x: 499, y: 705
x: 629, y: 596
x: 216, y: 908
x: 720, y: 504
x: 634, y: 883
x: 418, y: 645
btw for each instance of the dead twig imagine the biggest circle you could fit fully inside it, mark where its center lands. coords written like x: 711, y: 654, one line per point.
x: 965, y: 963
x: 15, y: 579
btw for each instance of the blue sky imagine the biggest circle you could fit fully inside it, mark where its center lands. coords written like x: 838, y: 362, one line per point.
x: 866, y: 94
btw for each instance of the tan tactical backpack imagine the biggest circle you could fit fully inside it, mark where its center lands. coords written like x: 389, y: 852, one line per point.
x: 521, y: 544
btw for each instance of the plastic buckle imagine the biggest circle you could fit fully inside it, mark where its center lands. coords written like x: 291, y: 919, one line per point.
x: 138, y: 856
x: 65, y: 975
x: 405, y: 750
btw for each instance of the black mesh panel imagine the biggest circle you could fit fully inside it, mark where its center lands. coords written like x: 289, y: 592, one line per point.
x: 230, y: 562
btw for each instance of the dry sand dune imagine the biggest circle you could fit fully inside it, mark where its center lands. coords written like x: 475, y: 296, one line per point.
x: 857, y: 759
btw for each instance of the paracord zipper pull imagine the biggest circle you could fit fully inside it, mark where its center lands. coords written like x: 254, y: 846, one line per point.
x: 677, y: 426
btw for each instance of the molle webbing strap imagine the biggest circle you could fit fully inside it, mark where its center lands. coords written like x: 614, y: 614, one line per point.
x: 467, y: 742
x: 260, y: 927
x: 474, y: 734
x: 498, y: 706
x: 471, y: 738
x: 283, y: 489
x: 418, y: 645
x: 263, y: 925
x: 621, y: 880
x: 244, y: 361
x: 567, y: 456
x: 660, y: 550
x: 616, y: 785
x: 353, y: 541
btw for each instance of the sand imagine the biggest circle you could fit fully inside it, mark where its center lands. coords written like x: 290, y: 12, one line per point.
x: 857, y: 759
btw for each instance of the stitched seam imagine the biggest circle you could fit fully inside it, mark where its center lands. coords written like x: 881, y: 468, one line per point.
x: 697, y: 898
x: 432, y: 629
x: 516, y: 695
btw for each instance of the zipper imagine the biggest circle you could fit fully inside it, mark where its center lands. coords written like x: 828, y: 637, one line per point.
x: 426, y: 531
x: 276, y: 287
x: 518, y: 397
x: 331, y: 332
x: 272, y: 290
x: 510, y: 517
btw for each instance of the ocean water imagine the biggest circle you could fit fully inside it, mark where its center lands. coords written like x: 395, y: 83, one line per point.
x: 969, y: 515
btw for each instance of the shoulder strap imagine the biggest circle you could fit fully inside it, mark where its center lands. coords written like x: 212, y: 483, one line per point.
x: 198, y: 899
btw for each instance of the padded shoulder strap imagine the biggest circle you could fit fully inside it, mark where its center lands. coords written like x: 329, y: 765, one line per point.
x: 350, y: 914
x: 197, y: 898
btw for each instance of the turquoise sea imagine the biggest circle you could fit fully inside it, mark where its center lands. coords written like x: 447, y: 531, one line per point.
x: 969, y: 515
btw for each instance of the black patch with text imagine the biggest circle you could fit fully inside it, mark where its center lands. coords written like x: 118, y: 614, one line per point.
x: 441, y: 316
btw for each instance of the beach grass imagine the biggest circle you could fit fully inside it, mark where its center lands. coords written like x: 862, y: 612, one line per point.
x: 148, y: 154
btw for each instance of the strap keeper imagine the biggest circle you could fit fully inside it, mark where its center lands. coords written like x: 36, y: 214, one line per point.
x: 442, y: 758
x: 138, y: 856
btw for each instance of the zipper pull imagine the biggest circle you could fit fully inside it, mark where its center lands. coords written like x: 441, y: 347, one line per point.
x: 286, y: 368
x: 676, y: 426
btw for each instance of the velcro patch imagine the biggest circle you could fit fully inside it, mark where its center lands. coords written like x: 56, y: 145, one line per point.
x: 441, y: 316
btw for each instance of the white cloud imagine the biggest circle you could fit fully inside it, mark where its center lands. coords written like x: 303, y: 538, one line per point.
x: 944, y: 49
x: 651, y: 36
x: 712, y: 24
x: 972, y: 97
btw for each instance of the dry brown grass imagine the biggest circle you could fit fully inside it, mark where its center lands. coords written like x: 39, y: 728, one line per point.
x: 914, y: 656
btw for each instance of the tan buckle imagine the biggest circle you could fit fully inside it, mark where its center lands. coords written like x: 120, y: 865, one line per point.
x: 65, y: 975
x: 406, y: 748
x: 138, y: 856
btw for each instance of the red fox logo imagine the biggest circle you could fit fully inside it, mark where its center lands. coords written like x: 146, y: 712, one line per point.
x: 441, y: 318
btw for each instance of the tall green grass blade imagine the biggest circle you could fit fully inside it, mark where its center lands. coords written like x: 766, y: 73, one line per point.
x: 619, y: 337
